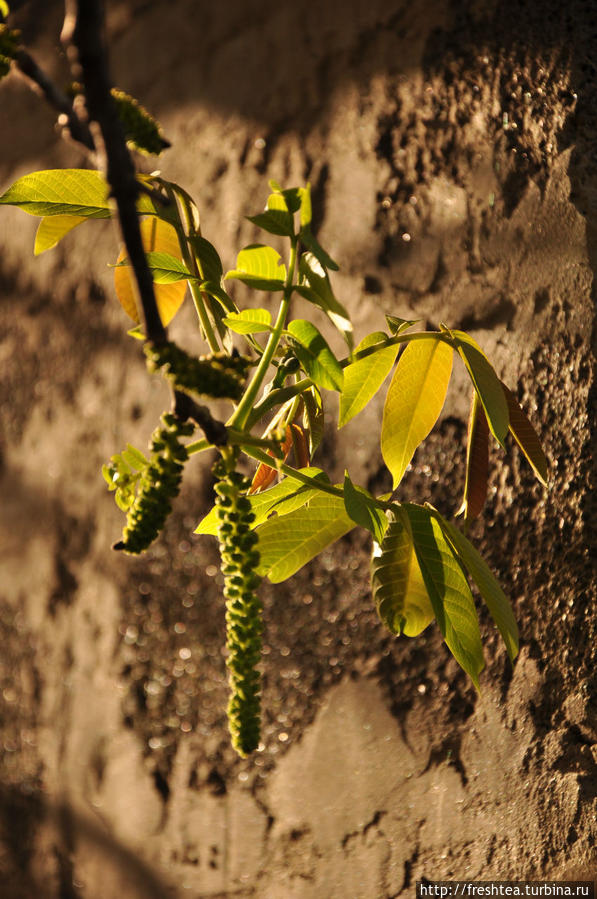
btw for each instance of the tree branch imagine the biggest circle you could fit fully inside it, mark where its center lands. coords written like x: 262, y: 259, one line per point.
x: 83, y: 33
x: 185, y: 407
x: 68, y: 118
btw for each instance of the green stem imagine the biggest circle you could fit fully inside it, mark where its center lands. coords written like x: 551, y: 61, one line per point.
x: 295, y: 475
x: 282, y: 394
x: 236, y: 438
x: 244, y: 408
x: 191, y: 263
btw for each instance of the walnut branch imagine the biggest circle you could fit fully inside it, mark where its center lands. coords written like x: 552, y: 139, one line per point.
x: 83, y: 34
x: 78, y: 129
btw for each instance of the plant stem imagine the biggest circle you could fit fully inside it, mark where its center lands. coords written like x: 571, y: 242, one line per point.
x: 295, y: 475
x: 244, y: 408
x: 282, y: 394
x: 191, y: 263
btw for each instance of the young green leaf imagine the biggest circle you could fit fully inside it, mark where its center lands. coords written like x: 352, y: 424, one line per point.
x: 398, y: 325
x: 414, y: 401
x: 313, y: 417
x: 249, y: 321
x: 305, y: 199
x: 489, y: 588
x: 276, y: 219
x: 397, y: 584
x: 526, y: 437
x: 486, y: 383
x: 218, y: 293
x: 209, y: 262
x: 287, y: 543
x: 448, y: 590
x: 310, y: 241
x: 52, y: 229
x: 260, y: 267
x: 321, y: 294
x: 167, y: 269
x: 363, y: 378
x: 361, y: 508
x: 477, y: 462
x: 315, y: 355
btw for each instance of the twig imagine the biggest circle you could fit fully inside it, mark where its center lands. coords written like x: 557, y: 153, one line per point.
x: 83, y: 31
x: 56, y: 98
x: 186, y: 407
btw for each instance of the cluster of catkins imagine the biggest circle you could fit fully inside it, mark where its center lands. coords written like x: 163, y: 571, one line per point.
x: 217, y: 375
x: 159, y: 484
x: 243, y: 607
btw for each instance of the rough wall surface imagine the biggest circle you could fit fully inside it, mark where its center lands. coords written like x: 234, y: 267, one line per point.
x: 451, y: 148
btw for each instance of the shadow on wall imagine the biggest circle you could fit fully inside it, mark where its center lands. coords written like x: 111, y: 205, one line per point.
x: 25, y: 816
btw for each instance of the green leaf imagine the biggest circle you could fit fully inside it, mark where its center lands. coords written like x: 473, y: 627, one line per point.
x: 136, y: 332
x: 306, y: 214
x: 287, y: 543
x: 77, y: 192
x: 486, y: 383
x: 210, y: 264
x: 526, y: 437
x: 448, y: 590
x: 308, y: 240
x: 249, y: 321
x: 313, y: 417
x: 285, y: 497
x: 218, y: 293
x: 363, y: 378
x: 398, y: 325
x: 292, y: 199
x: 414, y: 401
x: 52, y: 229
x: 134, y: 457
x: 489, y: 588
x: 360, y: 506
x: 277, y: 218
x: 260, y: 267
x: 397, y: 584
x: 321, y: 294
x: 167, y: 269
x: 315, y: 355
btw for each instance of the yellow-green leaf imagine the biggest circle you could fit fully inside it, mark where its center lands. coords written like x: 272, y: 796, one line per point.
x: 526, y: 437
x: 260, y: 267
x: 414, y: 401
x: 363, y: 378
x: 315, y: 355
x: 397, y: 584
x: 52, y: 229
x: 287, y: 543
x: 249, y: 321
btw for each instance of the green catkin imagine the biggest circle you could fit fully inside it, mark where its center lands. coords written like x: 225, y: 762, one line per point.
x: 244, y: 625
x: 159, y: 484
x: 218, y: 375
x: 10, y: 42
x: 140, y: 128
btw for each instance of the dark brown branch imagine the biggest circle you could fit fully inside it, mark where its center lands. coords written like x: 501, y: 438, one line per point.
x: 56, y: 98
x: 185, y: 407
x: 83, y: 32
